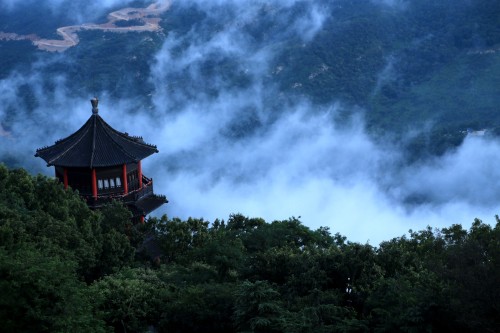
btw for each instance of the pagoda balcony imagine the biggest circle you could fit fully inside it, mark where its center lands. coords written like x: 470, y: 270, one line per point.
x: 128, y: 198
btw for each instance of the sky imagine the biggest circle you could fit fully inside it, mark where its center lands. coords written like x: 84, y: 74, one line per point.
x: 235, y: 151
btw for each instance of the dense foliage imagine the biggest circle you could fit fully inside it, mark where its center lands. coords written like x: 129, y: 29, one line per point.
x: 66, y: 268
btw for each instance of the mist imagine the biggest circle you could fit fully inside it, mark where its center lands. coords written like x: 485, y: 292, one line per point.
x: 249, y: 148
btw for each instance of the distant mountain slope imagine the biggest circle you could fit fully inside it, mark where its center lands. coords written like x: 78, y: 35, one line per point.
x: 404, y: 62
x: 437, y: 61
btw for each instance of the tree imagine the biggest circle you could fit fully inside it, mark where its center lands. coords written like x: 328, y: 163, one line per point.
x: 115, y: 235
x: 41, y: 292
x: 473, y: 270
x: 200, y: 307
x: 178, y: 238
x: 258, y: 308
x: 129, y: 300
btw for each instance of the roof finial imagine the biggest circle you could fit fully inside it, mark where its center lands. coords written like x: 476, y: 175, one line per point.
x: 94, y: 102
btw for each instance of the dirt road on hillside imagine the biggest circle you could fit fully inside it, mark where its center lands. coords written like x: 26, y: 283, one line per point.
x: 149, y: 16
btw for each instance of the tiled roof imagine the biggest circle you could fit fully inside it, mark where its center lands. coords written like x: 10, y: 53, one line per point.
x: 147, y: 204
x: 96, y: 144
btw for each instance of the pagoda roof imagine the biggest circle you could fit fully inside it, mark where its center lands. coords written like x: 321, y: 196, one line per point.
x: 96, y: 144
x: 147, y: 204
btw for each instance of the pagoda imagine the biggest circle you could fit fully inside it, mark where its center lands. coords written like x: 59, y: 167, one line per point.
x: 104, y: 164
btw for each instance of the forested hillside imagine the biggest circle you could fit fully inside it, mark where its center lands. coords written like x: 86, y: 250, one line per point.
x: 65, y: 268
x: 404, y: 62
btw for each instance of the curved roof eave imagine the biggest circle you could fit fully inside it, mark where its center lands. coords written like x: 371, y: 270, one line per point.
x: 96, y: 144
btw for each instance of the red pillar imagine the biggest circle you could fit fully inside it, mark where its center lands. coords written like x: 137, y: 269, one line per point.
x: 124, y: 176
x: 142, y: 219
x: 139, y: 172
x: 65, y: 178
x: 94, y: 184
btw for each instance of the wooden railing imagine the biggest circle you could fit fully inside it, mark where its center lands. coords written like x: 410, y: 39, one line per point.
x: 132, y: 196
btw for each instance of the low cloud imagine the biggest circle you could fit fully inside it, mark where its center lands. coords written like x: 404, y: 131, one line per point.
x: 248, y: 148
x: 469, y: 175
x: 304, y: 165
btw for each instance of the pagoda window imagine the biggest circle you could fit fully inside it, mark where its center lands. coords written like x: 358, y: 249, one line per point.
x: 99, y: 184
x: 112, y: 183
x: 106, y: 184
x: 118, y: 182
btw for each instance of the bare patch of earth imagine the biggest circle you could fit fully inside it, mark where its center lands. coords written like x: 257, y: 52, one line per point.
x: 150, y: 16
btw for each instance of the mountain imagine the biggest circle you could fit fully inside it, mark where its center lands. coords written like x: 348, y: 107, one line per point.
x: 272, y: 108
x: 404, y: 62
